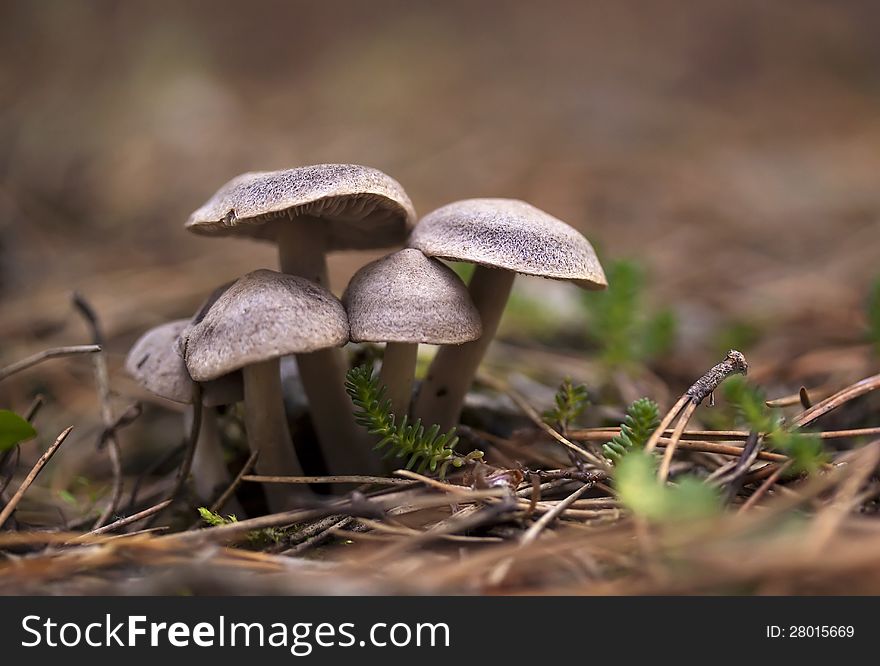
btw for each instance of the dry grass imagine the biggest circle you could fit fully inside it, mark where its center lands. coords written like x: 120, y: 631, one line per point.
x: 539, y: 530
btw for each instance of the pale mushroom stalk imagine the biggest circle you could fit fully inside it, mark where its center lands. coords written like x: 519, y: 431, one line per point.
x: 452, y: 371
x: 398, y: 370
x: 210, y: 474
x: 156, y: 364
x: 301, y: 247
x: 267, y: 431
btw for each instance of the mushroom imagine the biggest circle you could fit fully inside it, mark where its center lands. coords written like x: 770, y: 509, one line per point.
x: 402, y: 300
x: 310, y: 211
x: 502, y: 237
x: 263, y: 316
x: 154, y: 363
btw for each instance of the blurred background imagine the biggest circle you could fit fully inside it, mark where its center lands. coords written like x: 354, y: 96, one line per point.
x: 729, y: 149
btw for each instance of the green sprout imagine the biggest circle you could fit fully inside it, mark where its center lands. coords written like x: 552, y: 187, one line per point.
x: 873, y: 312
x: 640, y: 491
x: 642, y: 418
x: 424, y: 450
x: 805, y: 449
x: 619, y: 324
x: 569, y: 403
x: 267, y: 535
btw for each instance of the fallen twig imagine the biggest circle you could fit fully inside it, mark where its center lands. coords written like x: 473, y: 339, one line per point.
x: 128, y: 520
x: 44, y: 355
x: 501, y: 570
x: 833, y: 402
x: 349, y: 478
x: 190, y: 450
x: 102, y: 379
x: 230, y: 490
x: 535, y: 418
x: 29, y: 479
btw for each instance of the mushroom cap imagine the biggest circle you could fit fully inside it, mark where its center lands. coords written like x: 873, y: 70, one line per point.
x: 362, y: 208
x: 155, y: 363
x: 408, y: 297
x: 264, y: 315
x: 509, y: 234
x: 199, y: 315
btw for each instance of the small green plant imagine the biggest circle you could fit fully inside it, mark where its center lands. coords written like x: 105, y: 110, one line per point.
x: 642, y: 418
x: 424, y: 450
x: 873, y: 311
x: 261, y: 537
x: 570, y: 402
x: 805, y: 449
x: 736, y: 334
x: 13, y: 430
x: 639, y: 490
x: 619, y: 323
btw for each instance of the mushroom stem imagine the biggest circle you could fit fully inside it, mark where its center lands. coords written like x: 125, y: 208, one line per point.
x: 209, y: 471
x: 453, y: 369
x: 302, y: 250
x: 267, y: 431
x: 398, y: 370
x: 322, y: 374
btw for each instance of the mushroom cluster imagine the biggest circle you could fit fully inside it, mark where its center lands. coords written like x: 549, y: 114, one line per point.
x: 232, y: 347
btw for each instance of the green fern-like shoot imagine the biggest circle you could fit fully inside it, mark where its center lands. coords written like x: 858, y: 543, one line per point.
x: 642, y: 418
x: 873, y: 312
x: 804, y: 448
x: 570, y: 402
x: 626, y: 332
x: 424, y: 450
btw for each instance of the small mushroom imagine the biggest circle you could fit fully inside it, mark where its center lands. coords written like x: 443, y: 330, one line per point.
x: 406, y: 299
x: 263, y: 316
x: 153, y: 362
x: 502, y: 237
x: 310, y: 211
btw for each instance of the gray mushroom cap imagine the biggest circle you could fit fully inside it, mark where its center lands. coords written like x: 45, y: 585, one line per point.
x: 512, y: 235
x: 362, y: 208
x: 155, y: 363
x: 264, y: 315
x: 408, y: 297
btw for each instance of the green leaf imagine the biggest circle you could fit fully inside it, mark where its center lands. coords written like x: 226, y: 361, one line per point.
x: 13, y: 430
x: 874, y: 315
x: 637, y: 487
x: 639, y: 490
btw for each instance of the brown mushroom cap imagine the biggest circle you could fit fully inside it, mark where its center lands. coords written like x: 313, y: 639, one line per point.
x: 512, y: 235
x: 264, y: 315
x: 362, y: 207
x: 407, y: 297
x: 155, y: 363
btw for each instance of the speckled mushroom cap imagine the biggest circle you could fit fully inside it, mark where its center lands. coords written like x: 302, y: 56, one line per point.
x: 154, y: 363
x: 199, y: 315
x: 407, y: 297
x: 362, y: 207
x: 509, y: 234
x: 264, y: 315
